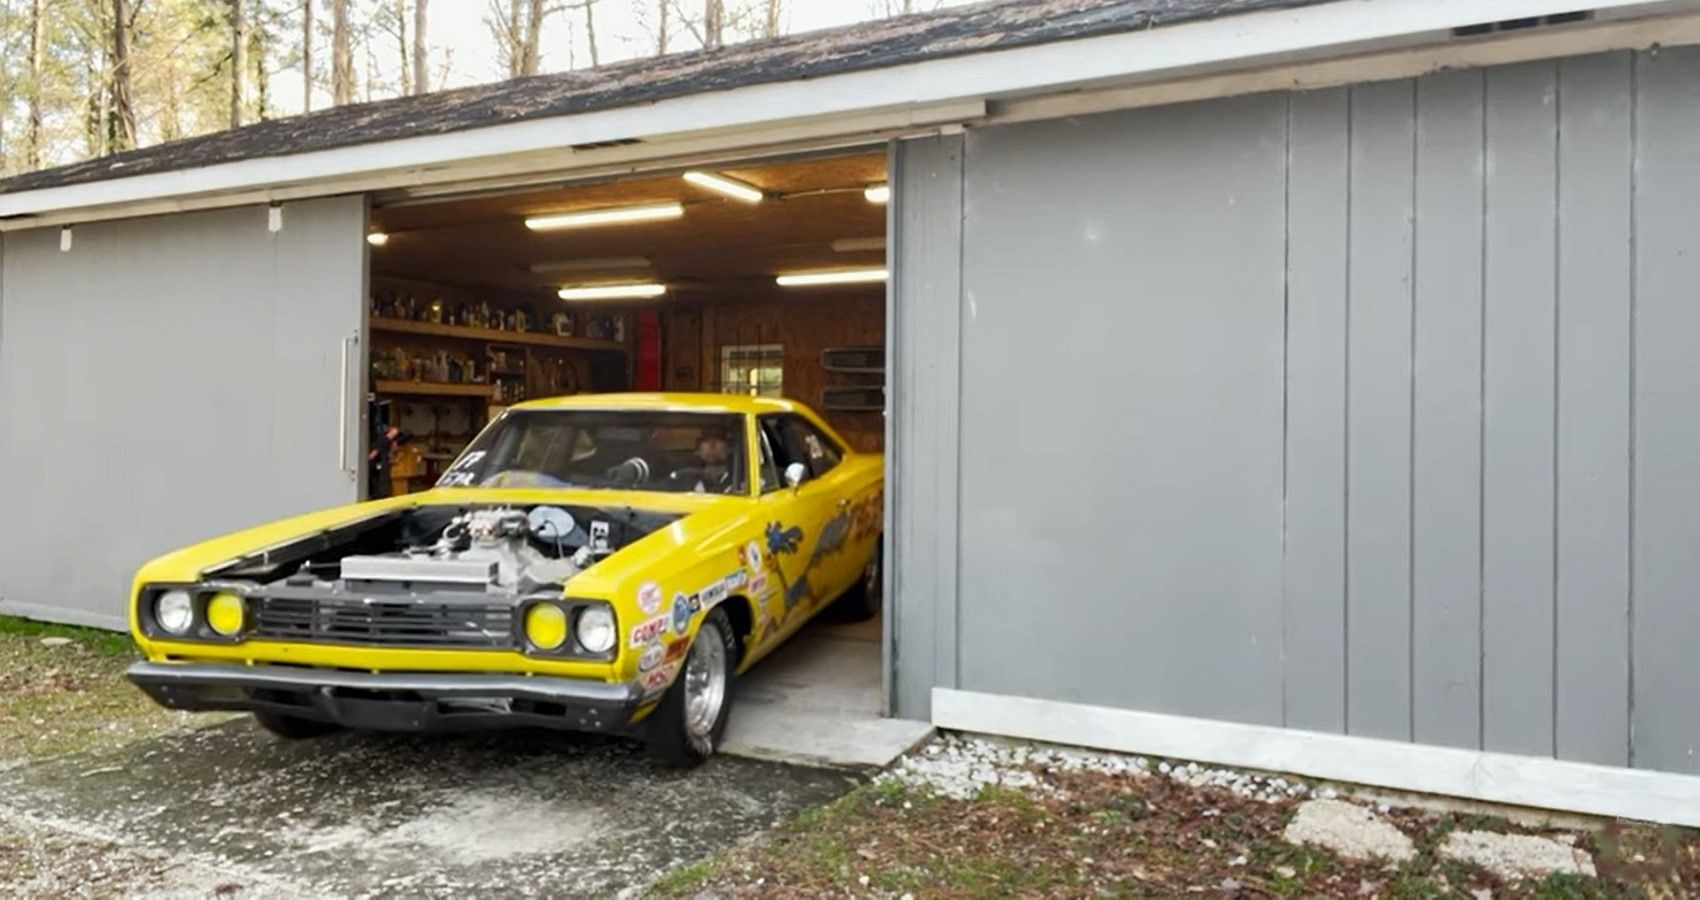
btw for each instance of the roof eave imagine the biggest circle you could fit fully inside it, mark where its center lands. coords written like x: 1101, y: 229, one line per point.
x: 871, y: 104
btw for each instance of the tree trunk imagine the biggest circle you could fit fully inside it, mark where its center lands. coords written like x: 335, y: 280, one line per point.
x: 661, y: 32
x: 713, y: 23
x: 421, y: 61
x: 404, y: 73
x: 342, y: 55
x: 773, y: 10
x: 37, y: 37
x: 533, y: 37
x: 238, y: 63
x: 307, y: 55
x: 124, y: 113
x: 590, y: 31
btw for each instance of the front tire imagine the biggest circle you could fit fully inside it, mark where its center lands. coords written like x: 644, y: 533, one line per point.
x: 687, y: 725
x: 292, y: 728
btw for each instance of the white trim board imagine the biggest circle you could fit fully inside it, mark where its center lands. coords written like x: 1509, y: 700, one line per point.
x: 1259, y: 38
x: 1494, y: 777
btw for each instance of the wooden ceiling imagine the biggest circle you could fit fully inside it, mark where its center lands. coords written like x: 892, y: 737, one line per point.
x: 717, y: 245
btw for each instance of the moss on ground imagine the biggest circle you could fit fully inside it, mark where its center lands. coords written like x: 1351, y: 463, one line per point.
x: 61, y: 698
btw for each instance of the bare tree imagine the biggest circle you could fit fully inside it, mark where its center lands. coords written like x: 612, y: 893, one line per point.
x: 517, y: 28
x: 307, y: 55
x: 713, y: 23
x: 124, y: 111
x: 421, y: 62
x: 661, y: 31
x: 38, y: 35
x: 590, y: 31
x: 773, y: 14
x: 238, y: 62
x: 396, y: 24
x: 342, y: 55
x: 533, y: 37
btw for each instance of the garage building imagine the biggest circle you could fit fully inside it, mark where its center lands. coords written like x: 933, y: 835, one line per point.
x: 1299, y: 384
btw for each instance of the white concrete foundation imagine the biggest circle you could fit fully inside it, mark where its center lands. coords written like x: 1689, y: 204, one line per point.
x: 816, y: 701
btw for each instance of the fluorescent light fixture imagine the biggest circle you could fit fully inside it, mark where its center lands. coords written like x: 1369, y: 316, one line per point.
x: 377, y: 238
x: 731, y: 187
x: 858, y: 245
x: 877, y: 193
x: 613, y: 215
x: 838, y: 276
x: 596, y: 264
x: 642, y: 291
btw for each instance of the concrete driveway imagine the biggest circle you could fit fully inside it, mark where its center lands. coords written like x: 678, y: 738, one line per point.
x: 377, y: 815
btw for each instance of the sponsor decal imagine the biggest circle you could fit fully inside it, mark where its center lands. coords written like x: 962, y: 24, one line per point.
x: 676, y: 650
x: 714, y: 593
x: 758, y: 586
x: 656, y: 681
x: 652, y: 657
x: 751, y: 556
x: 681, y: 615
x: 649, y: 598
x: 736, y: 580
x: 648, y: 631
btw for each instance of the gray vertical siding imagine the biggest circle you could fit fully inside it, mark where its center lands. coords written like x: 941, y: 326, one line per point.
x: 924, y: 396
x: 1664, y: 574
x: 167, y: 380
x: 1368, y: 410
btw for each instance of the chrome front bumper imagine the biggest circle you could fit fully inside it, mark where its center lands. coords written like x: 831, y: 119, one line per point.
x: 401, y: 701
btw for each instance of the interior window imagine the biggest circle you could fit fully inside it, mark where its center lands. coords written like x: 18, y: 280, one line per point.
x: 754, y: 369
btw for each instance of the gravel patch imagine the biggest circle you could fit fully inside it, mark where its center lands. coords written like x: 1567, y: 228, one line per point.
x: 959, y: 767
x: 1517, y: 856
x: 1349, y: 831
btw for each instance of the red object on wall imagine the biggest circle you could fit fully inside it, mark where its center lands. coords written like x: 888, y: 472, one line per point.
x: 649, y: 350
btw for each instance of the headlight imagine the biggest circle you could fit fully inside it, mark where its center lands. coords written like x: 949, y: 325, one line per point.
x: 545, y: 626
x: 225, y: 612
x: 595, y: 629
x: 175, y: 612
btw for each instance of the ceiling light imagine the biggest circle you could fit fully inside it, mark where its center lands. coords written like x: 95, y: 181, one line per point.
x: 838, y: 276
x: 377, y: 238
x: 599, y: 264
x: 642, y: 291
x: 609, y: 216
x: 731, y: 187
x: 858, y: 245
x: 877, y: 193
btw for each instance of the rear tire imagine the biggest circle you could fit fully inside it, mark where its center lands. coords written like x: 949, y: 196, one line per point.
x: 866, y: 598
x: 293, y: 728
x: 687, y: 724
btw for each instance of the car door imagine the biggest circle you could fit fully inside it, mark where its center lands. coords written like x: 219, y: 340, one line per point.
x: 795, y: 520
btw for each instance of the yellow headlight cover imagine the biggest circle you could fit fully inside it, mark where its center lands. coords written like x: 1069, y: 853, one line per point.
x: 545, y: 626
x: 225, y: 612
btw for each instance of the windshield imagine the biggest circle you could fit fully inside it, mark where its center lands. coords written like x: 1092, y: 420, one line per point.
x: 617, y: 449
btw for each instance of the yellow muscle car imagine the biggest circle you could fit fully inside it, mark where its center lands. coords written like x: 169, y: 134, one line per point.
x: 595, y: 563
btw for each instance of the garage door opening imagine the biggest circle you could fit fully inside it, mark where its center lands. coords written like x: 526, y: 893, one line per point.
x: 765, y: 278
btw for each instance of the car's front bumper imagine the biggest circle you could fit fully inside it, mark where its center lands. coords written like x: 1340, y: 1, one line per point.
x: 398, y: 701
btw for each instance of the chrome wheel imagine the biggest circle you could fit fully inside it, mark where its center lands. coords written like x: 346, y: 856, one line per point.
x: 705, y: 684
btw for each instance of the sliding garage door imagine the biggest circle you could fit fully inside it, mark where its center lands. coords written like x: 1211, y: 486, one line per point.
x: 167, y: 379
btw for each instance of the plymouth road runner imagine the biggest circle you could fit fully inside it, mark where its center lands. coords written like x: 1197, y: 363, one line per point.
x: 598, y: 563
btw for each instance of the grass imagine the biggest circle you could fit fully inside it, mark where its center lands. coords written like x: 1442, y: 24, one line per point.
x: 61, y: 699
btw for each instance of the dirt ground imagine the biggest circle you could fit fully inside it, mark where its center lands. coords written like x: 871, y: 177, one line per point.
x: 102, y: 794
x: 1037, y: 829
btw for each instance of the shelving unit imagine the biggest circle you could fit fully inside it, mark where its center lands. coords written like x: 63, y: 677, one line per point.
x: 464, y: 375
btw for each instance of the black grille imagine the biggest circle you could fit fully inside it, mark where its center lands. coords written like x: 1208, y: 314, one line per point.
x: 390, y: 623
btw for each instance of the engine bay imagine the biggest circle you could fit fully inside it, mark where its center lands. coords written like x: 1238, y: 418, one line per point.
x: 500, y: 550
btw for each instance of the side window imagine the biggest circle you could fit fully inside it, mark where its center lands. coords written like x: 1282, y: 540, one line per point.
x: 769, y: 465
x: 809, y: 446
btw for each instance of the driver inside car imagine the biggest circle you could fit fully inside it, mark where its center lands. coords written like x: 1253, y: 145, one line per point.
x: 714, y: 452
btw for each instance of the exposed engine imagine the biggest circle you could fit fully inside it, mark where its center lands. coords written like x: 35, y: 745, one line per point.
x: 503, y: 550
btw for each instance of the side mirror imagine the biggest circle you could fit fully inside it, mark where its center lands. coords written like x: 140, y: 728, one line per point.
x: 795, y: 473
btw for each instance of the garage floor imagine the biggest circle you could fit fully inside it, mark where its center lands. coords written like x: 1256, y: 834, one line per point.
x: 816, y: 701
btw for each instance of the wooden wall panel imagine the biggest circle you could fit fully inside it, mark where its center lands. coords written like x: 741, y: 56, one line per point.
x: 803, y: 322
